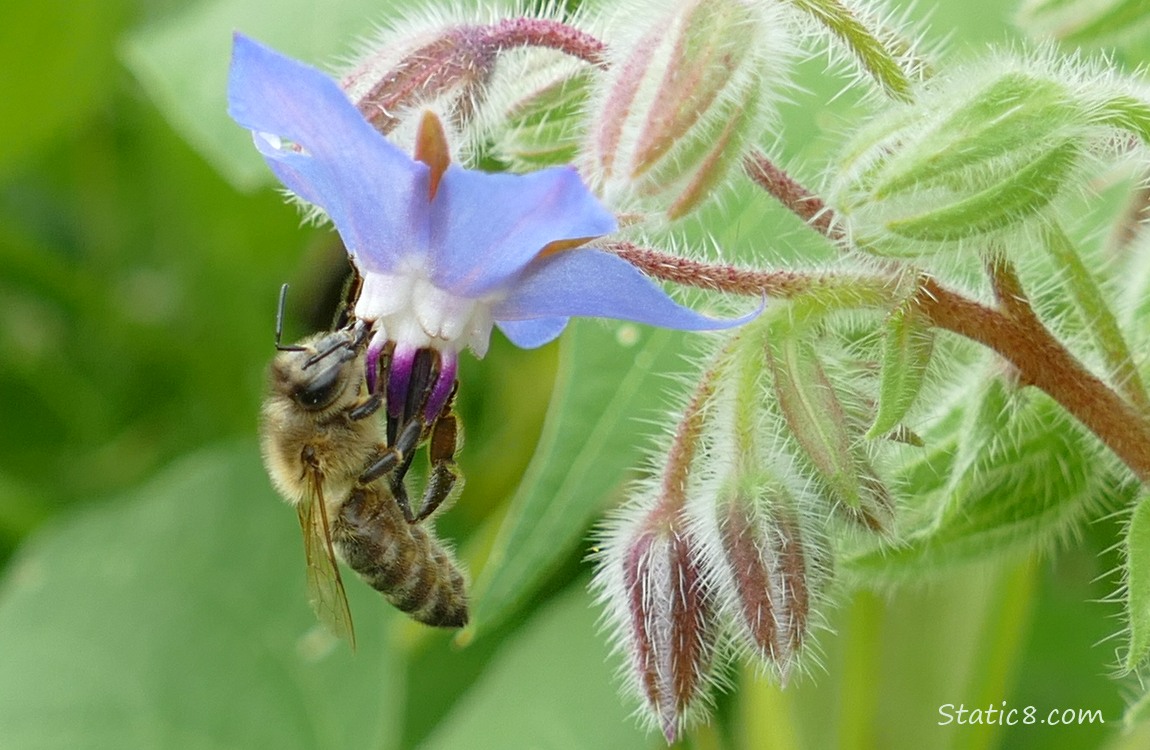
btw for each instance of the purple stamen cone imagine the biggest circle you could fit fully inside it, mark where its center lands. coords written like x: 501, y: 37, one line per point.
x: 441, y: 391
x: 398, y: 380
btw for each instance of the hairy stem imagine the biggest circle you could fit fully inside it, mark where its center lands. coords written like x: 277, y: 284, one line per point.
x: 800, y: 201
x: 1020, y: 338
x: 464, y: 57
x: 876, y: 49
x: 1012, y: 330
x: 1042, y: 361
x: 542, y: 32
x: 684, y: 447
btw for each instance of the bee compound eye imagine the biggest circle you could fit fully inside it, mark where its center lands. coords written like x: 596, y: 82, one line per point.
x: 320, y: 391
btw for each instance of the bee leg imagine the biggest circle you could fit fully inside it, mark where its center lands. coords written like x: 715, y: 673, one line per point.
x: 369, y: 406
x: 399, y: 492
x: 396, y: 460
x: 394, y: 456
x: 445, y: 479
x: 444, y: 472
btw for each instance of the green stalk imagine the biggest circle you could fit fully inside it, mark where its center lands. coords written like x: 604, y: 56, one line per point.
x: 1005, y: 632
x: 858, y: 706
x: 867, y: 45
x: 766, y: 715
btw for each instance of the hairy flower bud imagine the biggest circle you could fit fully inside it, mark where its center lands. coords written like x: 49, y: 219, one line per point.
x: 678, y: 108
x: 663, y: 611
x: 972, y: 159
x: 766, y: 569
x: 541, y: 121
x: 822, y: 429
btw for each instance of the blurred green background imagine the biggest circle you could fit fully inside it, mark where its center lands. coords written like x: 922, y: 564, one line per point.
x: 152, y: 593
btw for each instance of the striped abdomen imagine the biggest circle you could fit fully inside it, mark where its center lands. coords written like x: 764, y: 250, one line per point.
x: 402, y: 561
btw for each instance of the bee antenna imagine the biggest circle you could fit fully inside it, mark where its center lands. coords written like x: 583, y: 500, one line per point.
x: 280, y: 323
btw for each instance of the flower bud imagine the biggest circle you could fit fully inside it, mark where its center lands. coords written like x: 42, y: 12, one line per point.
x: 822, y: 429
x: 678, y: 108
x: 663, y: 610
x: 767, y: 573
x: 541, y: 122
x: 969, y: 160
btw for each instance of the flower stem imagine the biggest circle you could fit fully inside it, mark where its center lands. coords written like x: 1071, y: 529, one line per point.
x: 462, y: 56
x: 832, y: 289
x: 801, y: 202
x: 543, y: 32
x: 1019, y: 337
x: 1013, y: 330
x: 1042, y: 361
x: 685, y: 444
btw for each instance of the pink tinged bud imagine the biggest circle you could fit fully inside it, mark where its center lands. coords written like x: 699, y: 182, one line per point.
x: 679, y: 107
x: 705, y: 52
x: 769, y: 576
x: 671, y: 630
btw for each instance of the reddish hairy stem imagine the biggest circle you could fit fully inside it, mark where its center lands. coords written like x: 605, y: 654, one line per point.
x: 464, y: 56
x: 1043, y: 362
x: 801, y: 202
x: 1014, y: 331
x: 541, y: 32
x: 716, y: 277
x: 684, y: 445
x: 1019, y: 337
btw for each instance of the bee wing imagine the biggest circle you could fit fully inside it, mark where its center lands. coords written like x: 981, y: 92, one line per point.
x: 324, y: 584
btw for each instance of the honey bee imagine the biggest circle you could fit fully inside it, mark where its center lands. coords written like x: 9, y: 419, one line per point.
x: 317, y: 441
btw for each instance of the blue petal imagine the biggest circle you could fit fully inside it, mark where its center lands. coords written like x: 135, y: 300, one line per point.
x: 528, y: 334
x: 594, y: 283
x: 485, y: 228
x: 371, y: 190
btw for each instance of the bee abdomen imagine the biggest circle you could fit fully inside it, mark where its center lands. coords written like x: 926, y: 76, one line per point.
x: 403, y: 562
x: 433, y: 590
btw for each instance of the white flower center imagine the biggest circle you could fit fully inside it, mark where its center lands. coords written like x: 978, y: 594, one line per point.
x: 406, y: 307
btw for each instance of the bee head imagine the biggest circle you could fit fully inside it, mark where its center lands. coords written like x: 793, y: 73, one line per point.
x: 320, y: 371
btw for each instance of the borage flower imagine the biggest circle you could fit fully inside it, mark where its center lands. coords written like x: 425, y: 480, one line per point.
x: 445, y: 252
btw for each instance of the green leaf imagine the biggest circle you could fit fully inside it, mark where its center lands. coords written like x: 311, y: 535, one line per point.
x: 593, y: 435
x: 551, y: 686
x: 1138, y: 583
x: 1107, y: 23
x: 182, y: 63
x: 908, y: 342
x: 177, y: 618
x: 1102, y: 324
x: 1022, y: 485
